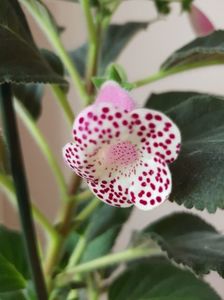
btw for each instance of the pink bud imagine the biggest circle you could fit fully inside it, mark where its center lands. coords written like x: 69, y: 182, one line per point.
x: 200, y: 22
x: 112, y: 92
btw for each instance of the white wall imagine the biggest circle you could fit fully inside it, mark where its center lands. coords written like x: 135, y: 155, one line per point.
x: 142, y: 58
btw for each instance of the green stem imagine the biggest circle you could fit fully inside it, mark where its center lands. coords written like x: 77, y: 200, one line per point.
x: 74, y: 258
x: 87, y: 211
x: 23, y: 199
x: 172, y: 71
x: 41, y: 15
x: 93, y: 46
x: 91, y: 288
x: 63, y: 103
x: 104, y: 262
x: 41, y: 142
x: 8, y: 187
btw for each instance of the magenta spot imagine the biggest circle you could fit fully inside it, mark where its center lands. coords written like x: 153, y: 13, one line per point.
x: 125, y: 122
x: 168, y: 141
x: 148, y: 116
x: 105, y: 110
x: 152, y: 202
x: 118, y: 115
x: 81, y: 120
x: 143, y: 202
x: 148, y: 194
x: 90, y: 114
x: 153, y: 186
x: 172, y: 136
x: 135, y: 116
x: 158, y: 199
x: 158, y: 117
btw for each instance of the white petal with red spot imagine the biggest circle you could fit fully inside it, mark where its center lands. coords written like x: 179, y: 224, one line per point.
x: 113, y: 192
x: 123, y: 155
x: 156, y: 134
x: 151, y: 184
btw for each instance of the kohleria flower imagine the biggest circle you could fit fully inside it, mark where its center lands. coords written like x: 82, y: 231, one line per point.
x: 200, y: 22
x: 123, y: 154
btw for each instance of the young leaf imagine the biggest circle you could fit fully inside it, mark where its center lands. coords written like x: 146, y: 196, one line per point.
x: 189, y: 240
x: 158, y: 279
x: 20, y: 60
x: 198, y: 172
x: 203, y: 51
x: 115, y: 40
x: 10, y: 278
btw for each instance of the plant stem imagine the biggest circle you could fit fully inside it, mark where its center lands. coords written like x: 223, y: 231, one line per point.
x: 87, y: 211
x: 94, y: 33
x: 172, y: 71
x: 8, y: 187
x: 91, y: 288
x: 41, y: 142
x: 104, y: 262
x: 43, y: 19
x: 74, y: 258
x: 19, y: 177
x: 63, y: 103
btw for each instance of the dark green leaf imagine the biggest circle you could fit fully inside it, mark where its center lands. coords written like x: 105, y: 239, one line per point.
x: 15, y: 255
x: 158, y: 279
x: 202, y: 51
x: 189, y: 240
x: 19, y: 295
x: 31, y: 94
x: 20, y: 60
x: 199, y: 171
x: 10, y: 278
x: 104, y: 218
x: 115, y: 40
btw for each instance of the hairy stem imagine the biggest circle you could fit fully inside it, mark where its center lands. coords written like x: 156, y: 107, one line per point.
x: 63, y: 103
x: 21, y: 188
x: 172, y: 71
x: 104, y: 262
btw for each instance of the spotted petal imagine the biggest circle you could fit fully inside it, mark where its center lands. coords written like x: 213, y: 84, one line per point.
x: 151, y: 185
x: 112, y: 93
x: 156, y: 134
x: 113, y: 192
x: 95, y: 129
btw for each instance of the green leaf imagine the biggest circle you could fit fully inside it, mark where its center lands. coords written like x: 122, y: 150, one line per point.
x: 158, y: 279
x: 31, y: 94
x: 106, y: 217
x: 189, y: 240
x: 101, y: 245
x: 14, y: 254
x: 202, y: 51
x: 10, y: 278
x: 19, y: 295
x: 198, y: 172
x: 20, y: 60
x: 115, y: 40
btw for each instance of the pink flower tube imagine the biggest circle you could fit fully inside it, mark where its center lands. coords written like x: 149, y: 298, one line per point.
x: 200, y: 22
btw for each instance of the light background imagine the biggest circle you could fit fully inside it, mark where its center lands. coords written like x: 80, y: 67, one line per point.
x: 141, y: 58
